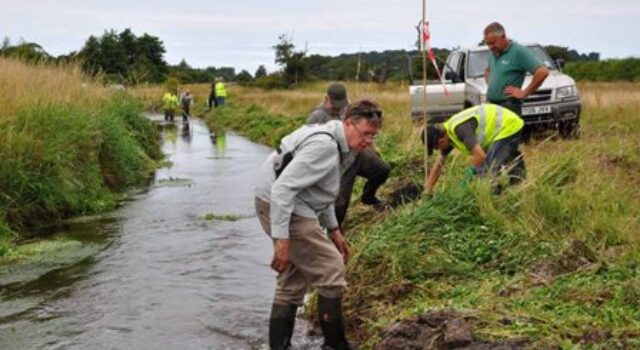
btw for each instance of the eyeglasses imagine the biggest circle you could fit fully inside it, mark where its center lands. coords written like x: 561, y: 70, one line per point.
x: 370, y: 136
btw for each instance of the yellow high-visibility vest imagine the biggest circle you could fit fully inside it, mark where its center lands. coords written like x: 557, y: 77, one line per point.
x: 494, y: 123
x: 221, y: 90
x: 169, y: 101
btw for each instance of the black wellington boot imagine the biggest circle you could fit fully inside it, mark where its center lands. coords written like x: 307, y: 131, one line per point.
x: 330, y: 316
x: 281, y: 322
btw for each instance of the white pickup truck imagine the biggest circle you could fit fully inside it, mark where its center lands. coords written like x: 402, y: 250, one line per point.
x: 556, y: 104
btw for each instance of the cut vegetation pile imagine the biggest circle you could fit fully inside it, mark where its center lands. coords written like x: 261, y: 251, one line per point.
x: 67, y: 144
x: 553, y: 262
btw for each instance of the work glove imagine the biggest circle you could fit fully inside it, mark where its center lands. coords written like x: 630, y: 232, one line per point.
x: 469, y: 174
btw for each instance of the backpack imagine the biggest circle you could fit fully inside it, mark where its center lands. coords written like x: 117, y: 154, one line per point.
x: 287, y: 157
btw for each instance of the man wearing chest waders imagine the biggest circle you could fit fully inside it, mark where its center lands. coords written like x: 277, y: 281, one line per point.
x: 294, y: 198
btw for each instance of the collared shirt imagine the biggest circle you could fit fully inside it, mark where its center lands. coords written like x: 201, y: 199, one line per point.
x: 309, y: 185
x: 509, y: 69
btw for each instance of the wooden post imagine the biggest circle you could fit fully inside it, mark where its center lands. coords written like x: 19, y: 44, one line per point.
x: 424, y: 92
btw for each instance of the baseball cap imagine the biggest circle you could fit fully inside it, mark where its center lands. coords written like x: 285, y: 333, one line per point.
x: 338, y: 95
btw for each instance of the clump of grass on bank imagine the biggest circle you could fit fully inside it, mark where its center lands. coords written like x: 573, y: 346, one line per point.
x: 508, y: 261
x: 67, y: 144
x: 222, y: 217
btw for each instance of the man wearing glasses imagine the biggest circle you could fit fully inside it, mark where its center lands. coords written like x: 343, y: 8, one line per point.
x: 294, y: 198
x: 366, y: 163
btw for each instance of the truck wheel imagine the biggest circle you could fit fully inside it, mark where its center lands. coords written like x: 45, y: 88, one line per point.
x: 569, y: 129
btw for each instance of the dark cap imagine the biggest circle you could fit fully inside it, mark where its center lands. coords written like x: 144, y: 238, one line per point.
x: 434, y: 133
x: 338, y: 95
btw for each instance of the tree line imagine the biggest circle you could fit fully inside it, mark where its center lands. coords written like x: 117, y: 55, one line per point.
x: 120, y: 58
x: 129, y: 59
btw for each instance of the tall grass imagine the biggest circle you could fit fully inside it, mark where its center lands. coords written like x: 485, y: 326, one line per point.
x: 469, y: 250
x: 67, y: 144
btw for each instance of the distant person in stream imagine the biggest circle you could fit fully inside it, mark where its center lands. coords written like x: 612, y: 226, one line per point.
x: 169, y: 105
x: 366, y: 163
x: 508, y: 66
x: 294, y: 198
x: 186, y: 100
x: 221, y: 92
x: 213, y: 103
x: 489, y: 133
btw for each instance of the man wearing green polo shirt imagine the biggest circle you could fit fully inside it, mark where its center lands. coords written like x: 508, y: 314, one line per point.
x: 508, y: 66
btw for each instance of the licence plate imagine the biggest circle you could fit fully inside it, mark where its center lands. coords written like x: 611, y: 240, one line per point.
x: 536, y: 110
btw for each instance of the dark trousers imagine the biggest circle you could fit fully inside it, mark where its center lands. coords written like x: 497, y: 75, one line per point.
x: 213, y: 102
x: 168, y: 115
x: 506, y: 152
x: 512, y: 104
x: 185, y: 112
x: 369, y: 165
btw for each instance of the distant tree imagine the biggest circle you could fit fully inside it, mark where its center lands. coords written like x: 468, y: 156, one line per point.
x: 128, y: 41
x: 293, y: 62
x: 124, y: 57
x: 260, y: 72
x: 243, y: 77
x: 228, y: 73
x: 91, y: 56
x: 28, y: 52
x: 570, y: 55
x: 171, y: 84
x: 113, y: 55
x: 152, y: 49
x: 6, y: 43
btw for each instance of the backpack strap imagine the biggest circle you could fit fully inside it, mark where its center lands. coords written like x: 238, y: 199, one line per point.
x: 288, y: 156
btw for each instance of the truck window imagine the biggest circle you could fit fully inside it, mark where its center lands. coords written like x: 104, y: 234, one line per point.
x: 478, y: 63
x: 479, y: 60
x: 543, y: 56
x: 454, y: 62
x: 461, y: 67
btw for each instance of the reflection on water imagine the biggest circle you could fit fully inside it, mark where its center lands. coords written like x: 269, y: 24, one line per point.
x: 221, y: 143
x: 186, y: 133
x: 163, y: 277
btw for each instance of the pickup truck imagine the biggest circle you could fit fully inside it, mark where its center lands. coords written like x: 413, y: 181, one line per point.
x: 556, y: 104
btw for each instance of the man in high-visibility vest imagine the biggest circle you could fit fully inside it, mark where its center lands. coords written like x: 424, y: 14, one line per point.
x: 221, y: 92
x: 489, y: 133
x: 169, y: 105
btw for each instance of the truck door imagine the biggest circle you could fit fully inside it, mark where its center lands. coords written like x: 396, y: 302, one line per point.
x: 453, y: 73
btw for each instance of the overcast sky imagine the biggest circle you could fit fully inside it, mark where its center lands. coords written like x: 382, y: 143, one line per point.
x: 241, y: 33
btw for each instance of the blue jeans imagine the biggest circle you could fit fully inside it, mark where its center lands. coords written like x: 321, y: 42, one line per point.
x: 220, y: 101
x: 505, y: 152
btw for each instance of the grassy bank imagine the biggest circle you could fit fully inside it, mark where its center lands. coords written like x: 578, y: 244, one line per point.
x: 556, y: 259
x: 68, y: 146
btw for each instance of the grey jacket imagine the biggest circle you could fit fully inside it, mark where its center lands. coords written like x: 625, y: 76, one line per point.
x: 321, y: 115
x: 309, y: 185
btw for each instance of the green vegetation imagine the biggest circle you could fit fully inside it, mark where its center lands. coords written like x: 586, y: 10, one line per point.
x: 67, y: 146
x: 122, y: 58
x: 224, y: 217
x: 251, y: 120
x: 555, y: 259
x: 29, y: 261
x: 627, y: 69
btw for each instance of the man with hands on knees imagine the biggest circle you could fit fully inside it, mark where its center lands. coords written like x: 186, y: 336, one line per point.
x: 489, y: 133
x: 294, y: 199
